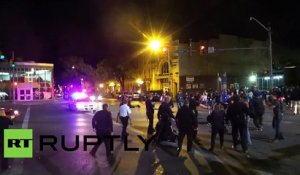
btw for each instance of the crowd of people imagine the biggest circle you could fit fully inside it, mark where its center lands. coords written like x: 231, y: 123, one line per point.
x: 234, y: 108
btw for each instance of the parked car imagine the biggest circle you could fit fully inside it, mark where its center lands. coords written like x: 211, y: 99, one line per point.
x: 3, y: 95
x: 156, y: 94
x: 125, y: 93
x: 136, y: 96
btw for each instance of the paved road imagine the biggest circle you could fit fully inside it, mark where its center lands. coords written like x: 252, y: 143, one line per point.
x: 55, y: 119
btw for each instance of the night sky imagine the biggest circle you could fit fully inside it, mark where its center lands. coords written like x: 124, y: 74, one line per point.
x: 43, y: 30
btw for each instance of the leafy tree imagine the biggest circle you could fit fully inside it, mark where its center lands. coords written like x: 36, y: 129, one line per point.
x: 75, y: 68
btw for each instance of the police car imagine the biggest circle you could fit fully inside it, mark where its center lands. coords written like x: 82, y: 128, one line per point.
x: 80, y: 101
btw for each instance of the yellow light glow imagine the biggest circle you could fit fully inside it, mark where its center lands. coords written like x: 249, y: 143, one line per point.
x: 139, y: 81
x: 155, y: 45
x: 101, y: 85
x: 111, y: 84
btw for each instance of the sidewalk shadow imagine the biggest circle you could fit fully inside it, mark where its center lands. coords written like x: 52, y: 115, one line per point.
x: 261, y: 138
x: 171, y: 164
x: 146, y: 163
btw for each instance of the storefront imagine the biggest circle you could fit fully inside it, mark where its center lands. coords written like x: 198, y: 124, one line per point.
x: 27, y: 81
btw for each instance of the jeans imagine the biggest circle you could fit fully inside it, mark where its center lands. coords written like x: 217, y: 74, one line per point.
x: 278, y: 134
x: 214, y: 133
x: 242, y: 130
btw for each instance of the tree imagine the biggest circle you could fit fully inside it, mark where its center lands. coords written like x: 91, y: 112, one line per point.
x: 118, y: 69
x: 75, y: 68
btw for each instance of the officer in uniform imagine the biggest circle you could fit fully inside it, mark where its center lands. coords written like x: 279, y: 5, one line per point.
x: 150, y: 113
x: 186, y: 123
x: 102, y: 123
x: 4, y: 124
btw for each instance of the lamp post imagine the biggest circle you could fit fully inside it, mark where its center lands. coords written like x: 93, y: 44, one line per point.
x: 268, y: 29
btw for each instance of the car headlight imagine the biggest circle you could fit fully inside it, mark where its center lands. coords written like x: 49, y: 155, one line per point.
x: 92, y: 98
x: 16, y: 112
x: 100, y: 97
x: 79, y: 105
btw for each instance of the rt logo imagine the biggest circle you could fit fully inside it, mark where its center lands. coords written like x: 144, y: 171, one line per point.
x: 18, y: 143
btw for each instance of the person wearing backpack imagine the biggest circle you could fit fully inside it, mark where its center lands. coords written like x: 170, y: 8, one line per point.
x: 217, y: 120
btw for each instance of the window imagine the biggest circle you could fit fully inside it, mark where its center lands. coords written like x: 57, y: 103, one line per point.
x: 165, y: 68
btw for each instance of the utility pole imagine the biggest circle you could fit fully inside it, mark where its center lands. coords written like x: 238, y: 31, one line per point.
x: 268, y: 29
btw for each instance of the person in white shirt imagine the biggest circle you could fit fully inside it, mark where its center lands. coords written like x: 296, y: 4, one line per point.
x: 124, y: 112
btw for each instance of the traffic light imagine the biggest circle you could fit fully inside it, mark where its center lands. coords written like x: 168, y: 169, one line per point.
x: 202, y: 49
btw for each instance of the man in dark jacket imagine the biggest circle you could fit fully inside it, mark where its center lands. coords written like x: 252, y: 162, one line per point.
x: 217, y: 120
x: 186, y: 124
x: 277, y: 117
x: 102, y: 123
x: 150, y: 113
x: 4, y: 124
x: 237, y: 114
x: 164, y: 114
x: 257, y: 109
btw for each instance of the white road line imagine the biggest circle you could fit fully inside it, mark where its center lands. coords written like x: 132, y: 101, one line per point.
x: 18, y: 164
x: 26, y: 119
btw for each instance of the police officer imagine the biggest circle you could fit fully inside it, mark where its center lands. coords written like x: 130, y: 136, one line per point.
x: 186, y: 124
x: 237, y: 114
x: 150, y: 113
x: 102, y: 123
x: 4, y: 124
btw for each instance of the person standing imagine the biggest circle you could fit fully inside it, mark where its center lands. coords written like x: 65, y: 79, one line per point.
x: 277, y: 117
x: 217, y: 120
x: 4, y: 124
x: 186, y: 124
x: 257, y: 109
x: 103, y: 125
x: 237, y: 114
x: 150, y: 114
x: 124, y: 113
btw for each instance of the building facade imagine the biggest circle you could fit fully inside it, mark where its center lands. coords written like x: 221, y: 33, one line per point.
x: 196, y: 66
x: 27, y: 81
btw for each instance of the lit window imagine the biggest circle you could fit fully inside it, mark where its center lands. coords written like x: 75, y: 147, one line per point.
x: 165, y: 68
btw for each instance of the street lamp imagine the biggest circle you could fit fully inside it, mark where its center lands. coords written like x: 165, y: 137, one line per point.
x: 155, y: 45
x: 268, y: 29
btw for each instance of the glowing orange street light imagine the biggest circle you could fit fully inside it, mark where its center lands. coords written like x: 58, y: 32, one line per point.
x: 155, y: 45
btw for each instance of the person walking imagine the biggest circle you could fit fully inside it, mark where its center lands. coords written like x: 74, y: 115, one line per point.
x: 124, y: 113
x: 277, y: 117
x: 164, y: 114
x: 150, y: 114
x: 193, y: 107
x: 217, y: 120
x: 4, y: 124
x: 103, y: 125
x: 257, y: 109
x: 186, y: 125
x: 237, y: 114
